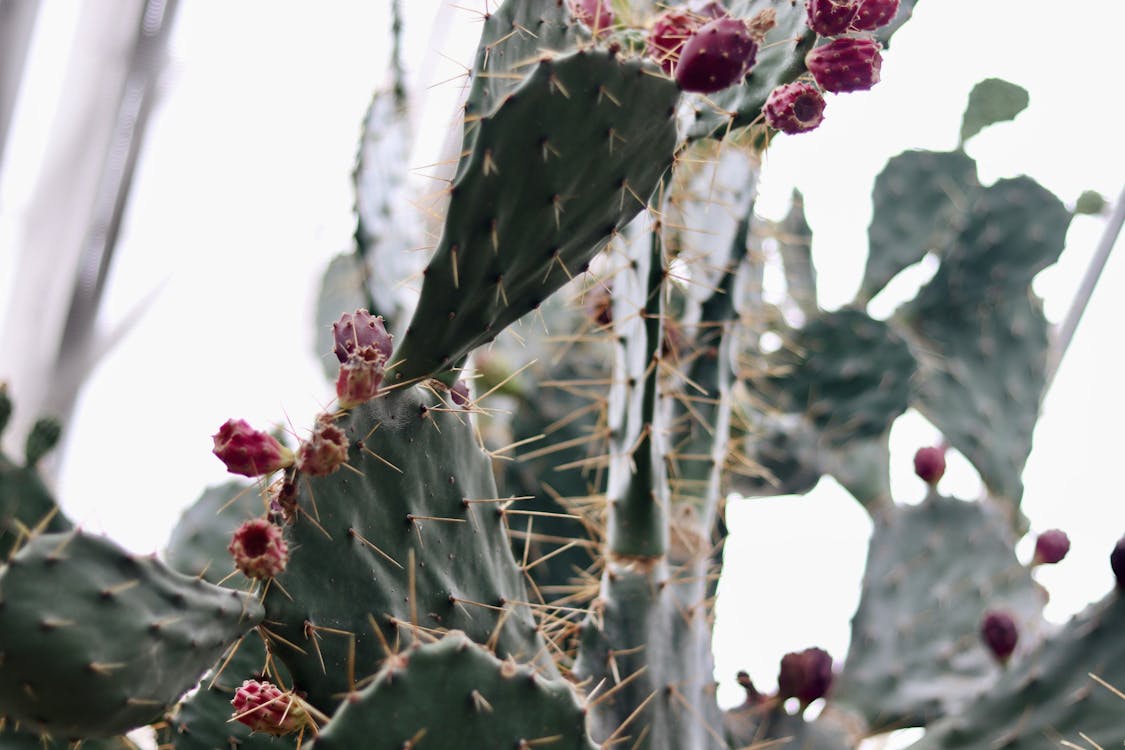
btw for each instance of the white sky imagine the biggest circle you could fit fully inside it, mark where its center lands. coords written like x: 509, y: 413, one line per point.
x: 244, y: 194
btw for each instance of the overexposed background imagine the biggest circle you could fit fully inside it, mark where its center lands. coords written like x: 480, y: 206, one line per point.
x: 243, y: 194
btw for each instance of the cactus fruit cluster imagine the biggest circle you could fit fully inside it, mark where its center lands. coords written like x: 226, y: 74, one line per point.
x: 500, y: 537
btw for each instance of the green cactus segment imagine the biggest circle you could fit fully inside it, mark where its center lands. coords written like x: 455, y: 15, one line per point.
x: 850, y: 374
x: 198, y: 545
x: 1068, y: 693
x: 992, y: 100
x: 933, y: 570
x: 95, y: 641
x: 44, y: 436
x: 756, y: 725
x: 637, y: 484
x: 563, y: 164
x: 920, y: 200
x: 515, y: 35
x: 343, y: 288
x: 776, y: 454
x: 25, y: 505
x: 647, y: 643
x: 980, y: 333
x: 454, y: 694
x: 405, y: 498
x: 781, y: 60
x: 12, y: 739
x: 794, y: 241
x: 203, y: 720
x: 863, y: 468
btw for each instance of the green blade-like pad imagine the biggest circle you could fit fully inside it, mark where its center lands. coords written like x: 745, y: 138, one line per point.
x: 980, y: 333
x: 933, y: 570
x: 356, y: 530
x: 781, y: 59
x: 992, y: 100
x: 1049, y: 698
x: 564, y: 163
x: 850, y: 374
x: 454, y: 694
x: 198, y: 545
x: 95, y: 641
x: 920, y: 202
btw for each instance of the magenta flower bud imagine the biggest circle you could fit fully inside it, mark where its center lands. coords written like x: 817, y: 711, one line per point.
x: 325, y: 450
x: 998, y: 630
x: 793, y: 108
x: 265, y: 708
x: 259, y: 549
x: 846, y: 64
x: 1117, y: 563
x: 831, y: 17
x: 354, y: 332
x: 249, y: 452
x: 720, y: 53
x: 929, y: 464
x: 673, y: 27
x: 1051, y: 547
x: 874, y: 14
x: 460, y: 393
x: 360, y: 377
x: 597, y: 14
x: 805, y: 675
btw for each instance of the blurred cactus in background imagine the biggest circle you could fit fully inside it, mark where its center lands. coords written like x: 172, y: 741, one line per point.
x: 507, y: 531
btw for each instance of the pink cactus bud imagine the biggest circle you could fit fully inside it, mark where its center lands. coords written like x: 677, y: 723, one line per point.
x: 597, y: 14
x: 460, y: 393
x: 929, y: 464
x: 259, y: 549
x: 356, y: 331
x: 998, y: 630
x: 360, y: 377
x: 1117, y: 563
x: 805, y: 675
x: 846, y: 64
x: 831, y: 17
x: 874, y: 14
x: 719, y: 54
x: 1051, y: 547
x: 265, y: 708
x: 793, y: 108
x: 249, y: 452
x: 325, y: 450
x: 673, y: 27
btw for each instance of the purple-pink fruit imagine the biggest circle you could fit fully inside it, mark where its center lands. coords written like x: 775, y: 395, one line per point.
x: 460, y: 393
x: 249, y: 452
x: 353, y: 332
x: 673, y: 27
x: 1117, y: 563
x: 325, y: 450
x: 718, y: 54
x: 259, y: 549
x: 831, y: 17
x: 264, y: 707
x: 360, y: 377
x: 805, y: 675
x: 597, y: 14
x: 846, y: 64
x: 873, y: 14
x: 796, y: 107
x: 929, y: 464
x: 1051, y: 547
x: 998, y: 630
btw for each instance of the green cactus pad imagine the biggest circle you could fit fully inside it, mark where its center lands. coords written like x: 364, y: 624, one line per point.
x: 779, y: 454
x: 1062, y: 694
x: 766, y: 723
x: 781, y: 59
x: 850, y: 374
x: 980, y: 334
x: 25, y: 504
x: 453, y: 694
x: 413, y: 465
x: 933, y: 570
x: 198, y: 545
x: 564, y: 163
x: 920, y: 202
x: 203, y: 720
x: 343, y: 289
x: 991, y: 101
x: 794, y: 241
x: 11, y: 739
x: 95, y: 641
